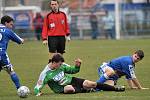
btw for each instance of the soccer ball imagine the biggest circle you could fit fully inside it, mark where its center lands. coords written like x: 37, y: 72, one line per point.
x: 23, y: 91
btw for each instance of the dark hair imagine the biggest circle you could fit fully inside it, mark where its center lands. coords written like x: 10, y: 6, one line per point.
x: 7, y: 19
x: 57, y: 58
x: 54, y: 0
x: 140, y: 53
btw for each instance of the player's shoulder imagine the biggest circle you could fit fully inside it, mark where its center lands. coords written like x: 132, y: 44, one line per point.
x: 65, y: 64
x: 127, y: 60
x: 7, y: 31
x: 124, y: 57
x: 51, y: 13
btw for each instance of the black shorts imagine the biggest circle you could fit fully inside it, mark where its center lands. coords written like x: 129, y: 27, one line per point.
x: 56, y: 44
x: 77, y: 83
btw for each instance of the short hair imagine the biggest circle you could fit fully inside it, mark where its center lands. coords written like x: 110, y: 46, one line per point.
x: 140, y: 53
x: 57, y: 58
x: 54, y: 0
x: 7, y: 19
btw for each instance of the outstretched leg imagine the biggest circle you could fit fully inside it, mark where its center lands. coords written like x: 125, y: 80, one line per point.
x: 105, y: 87
x: 15, y: 79
x: 13, y: 75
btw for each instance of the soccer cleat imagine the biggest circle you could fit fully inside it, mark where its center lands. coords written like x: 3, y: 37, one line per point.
x: 119, y: 88
x: 88, y: 90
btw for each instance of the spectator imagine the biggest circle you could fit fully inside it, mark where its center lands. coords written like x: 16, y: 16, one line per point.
x: 94, y: 25
x: 109, y: 26
x: 38, y: 24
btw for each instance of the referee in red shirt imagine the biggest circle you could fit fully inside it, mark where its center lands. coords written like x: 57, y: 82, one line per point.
x: 55, y: 29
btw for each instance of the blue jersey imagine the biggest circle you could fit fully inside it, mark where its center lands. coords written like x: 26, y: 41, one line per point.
x: 123, y: 64
x: 6, y: 34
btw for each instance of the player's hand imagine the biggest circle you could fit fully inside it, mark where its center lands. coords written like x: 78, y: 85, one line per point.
x: 68, y: 38
x: 39, y: 94
x: 140, y: 88
x: 45, y: 42
x: 145, y: 88
x: 22, y: 41
x: 78, y: 62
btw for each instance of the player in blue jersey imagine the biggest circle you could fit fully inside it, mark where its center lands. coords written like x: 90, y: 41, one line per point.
x: 111, y: 71
x: 7, y: 34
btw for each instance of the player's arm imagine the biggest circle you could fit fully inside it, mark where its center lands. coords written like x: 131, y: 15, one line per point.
x: 67, y: 29
x: 38, y: 88
x: 73, y: 69
x: 45, y: 31
x: 40, y: 83
x: 133, y: 82
x: 137, y: 84
x: 14, y: 37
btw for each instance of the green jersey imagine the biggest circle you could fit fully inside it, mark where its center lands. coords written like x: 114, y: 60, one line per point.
x: 58, y: 78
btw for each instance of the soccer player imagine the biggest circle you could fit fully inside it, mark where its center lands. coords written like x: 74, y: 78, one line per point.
x: 7, y: 34
x: 56, y: 76
x: 111, y: 71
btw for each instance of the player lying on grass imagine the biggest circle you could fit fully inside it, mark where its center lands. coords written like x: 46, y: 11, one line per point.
x: 111, y: 71
x: 59, y: 81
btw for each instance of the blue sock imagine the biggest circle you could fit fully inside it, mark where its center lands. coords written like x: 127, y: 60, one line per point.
x: 15, y: 79
x: 103, y: 78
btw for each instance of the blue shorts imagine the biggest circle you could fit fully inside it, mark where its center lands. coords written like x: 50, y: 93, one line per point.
x: 101, y: 72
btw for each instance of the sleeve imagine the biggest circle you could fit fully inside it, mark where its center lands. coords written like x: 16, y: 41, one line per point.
x: 14, y: 37
x: 130, y: 72
x: 40, y: 83
x: 45, y: 29
x: 71, y: 69
x: 67, y: 26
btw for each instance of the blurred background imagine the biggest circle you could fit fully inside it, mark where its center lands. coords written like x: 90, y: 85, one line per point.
x: 88, y: 19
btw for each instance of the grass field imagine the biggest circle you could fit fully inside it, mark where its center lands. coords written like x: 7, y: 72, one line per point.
x: 29, y: 59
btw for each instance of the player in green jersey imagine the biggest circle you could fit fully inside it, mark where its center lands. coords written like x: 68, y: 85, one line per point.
x: 56, y: 75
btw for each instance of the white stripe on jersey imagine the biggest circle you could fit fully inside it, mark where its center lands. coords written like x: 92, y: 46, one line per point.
x: 1, y: 25
x: 132, y: 73
x: 42, y: 75
x: 18, y: 37
x: 65, y: 64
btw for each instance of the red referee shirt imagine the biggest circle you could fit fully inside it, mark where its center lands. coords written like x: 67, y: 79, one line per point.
x: 55, y: 24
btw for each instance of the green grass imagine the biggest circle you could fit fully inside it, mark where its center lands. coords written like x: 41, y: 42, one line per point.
x: 30, y: 59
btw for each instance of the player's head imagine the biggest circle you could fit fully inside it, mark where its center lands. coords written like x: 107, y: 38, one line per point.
x: 7, y: 21
x: 138, y: 55
x: 54, y: 5
x: 57, y: 60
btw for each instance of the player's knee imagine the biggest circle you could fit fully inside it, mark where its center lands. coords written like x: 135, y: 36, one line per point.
x: 8, y: 69
x: 69, y: 89
x: 89, y: 84
x: 109, y: 72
